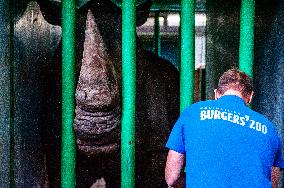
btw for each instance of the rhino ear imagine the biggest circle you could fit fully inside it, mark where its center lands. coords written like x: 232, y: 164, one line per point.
x: 51, y: 11
x: 18, y: 8
x: 142, y: 12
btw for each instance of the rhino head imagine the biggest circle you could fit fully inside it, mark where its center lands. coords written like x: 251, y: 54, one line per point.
x: 98, y: 91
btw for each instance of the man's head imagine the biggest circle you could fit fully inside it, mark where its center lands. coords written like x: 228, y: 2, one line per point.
x: 235, y: 82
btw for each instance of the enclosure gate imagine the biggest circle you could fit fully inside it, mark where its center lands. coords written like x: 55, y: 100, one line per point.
x: 129, y: 77
x: 128, y: 82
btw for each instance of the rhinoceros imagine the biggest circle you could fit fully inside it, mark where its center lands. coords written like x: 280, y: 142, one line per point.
x: 98, y: 98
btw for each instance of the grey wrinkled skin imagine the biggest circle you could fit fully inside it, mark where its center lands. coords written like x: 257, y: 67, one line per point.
x: 98, y: 99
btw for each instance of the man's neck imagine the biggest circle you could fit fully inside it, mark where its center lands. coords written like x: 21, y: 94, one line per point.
x: 236, y: 93
x: 233, y: 92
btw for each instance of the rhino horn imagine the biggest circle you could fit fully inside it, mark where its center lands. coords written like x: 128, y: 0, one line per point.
x: 97, y: 86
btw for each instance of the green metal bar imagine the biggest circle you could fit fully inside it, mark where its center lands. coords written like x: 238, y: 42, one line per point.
x: 246, y: 49
x: 157, y: 35
x: 68, y: 155
x: 128, y: 94
x: 187, y: 66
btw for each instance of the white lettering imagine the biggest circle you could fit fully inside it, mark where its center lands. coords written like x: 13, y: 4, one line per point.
x: 242, y: 119
x: 264, y: 129
x: 202, y: 115
x: 223, y: 116
x: 210, y: 114
x: 247, y: 117
x: 258, y: 126
x: 252, y: 124
x: 217, y: 114
x: 230, y: 117
x: 236, y: 119
x: 226, y: 115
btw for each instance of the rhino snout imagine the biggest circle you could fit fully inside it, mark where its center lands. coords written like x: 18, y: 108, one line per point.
x: 97, y: 131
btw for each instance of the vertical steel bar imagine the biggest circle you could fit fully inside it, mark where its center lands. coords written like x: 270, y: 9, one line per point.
x: 68, y: 157
x: 157, y: 35
x: 128, y: 94
x: 246, y: 48
x: 6, y: 95
x: 187, y: 66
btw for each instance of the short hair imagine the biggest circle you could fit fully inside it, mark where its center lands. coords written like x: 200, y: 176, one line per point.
x: 236, y: 80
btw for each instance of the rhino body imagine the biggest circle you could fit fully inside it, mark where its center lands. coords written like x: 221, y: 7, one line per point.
x: 98, y: 100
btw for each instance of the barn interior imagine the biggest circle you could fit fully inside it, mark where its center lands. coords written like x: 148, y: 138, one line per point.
x: 28, y: 42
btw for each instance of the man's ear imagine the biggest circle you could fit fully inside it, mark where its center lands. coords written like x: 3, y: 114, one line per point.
x: 250, y: 97
x: 217, y: 95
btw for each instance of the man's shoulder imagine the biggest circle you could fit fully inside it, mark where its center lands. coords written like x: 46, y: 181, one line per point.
x: 201, y: 104
x: 195, y: 107
x: 257, y: 119
x: 261, y: 117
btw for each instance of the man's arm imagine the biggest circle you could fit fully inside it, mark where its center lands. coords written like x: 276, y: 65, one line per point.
x: 174, y: 165
x: 275, y: 174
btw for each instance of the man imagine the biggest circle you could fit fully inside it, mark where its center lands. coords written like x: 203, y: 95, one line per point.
x: 225, y: 143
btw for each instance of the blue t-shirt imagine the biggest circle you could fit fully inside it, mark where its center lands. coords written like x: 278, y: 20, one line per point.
x: 226, y: 144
